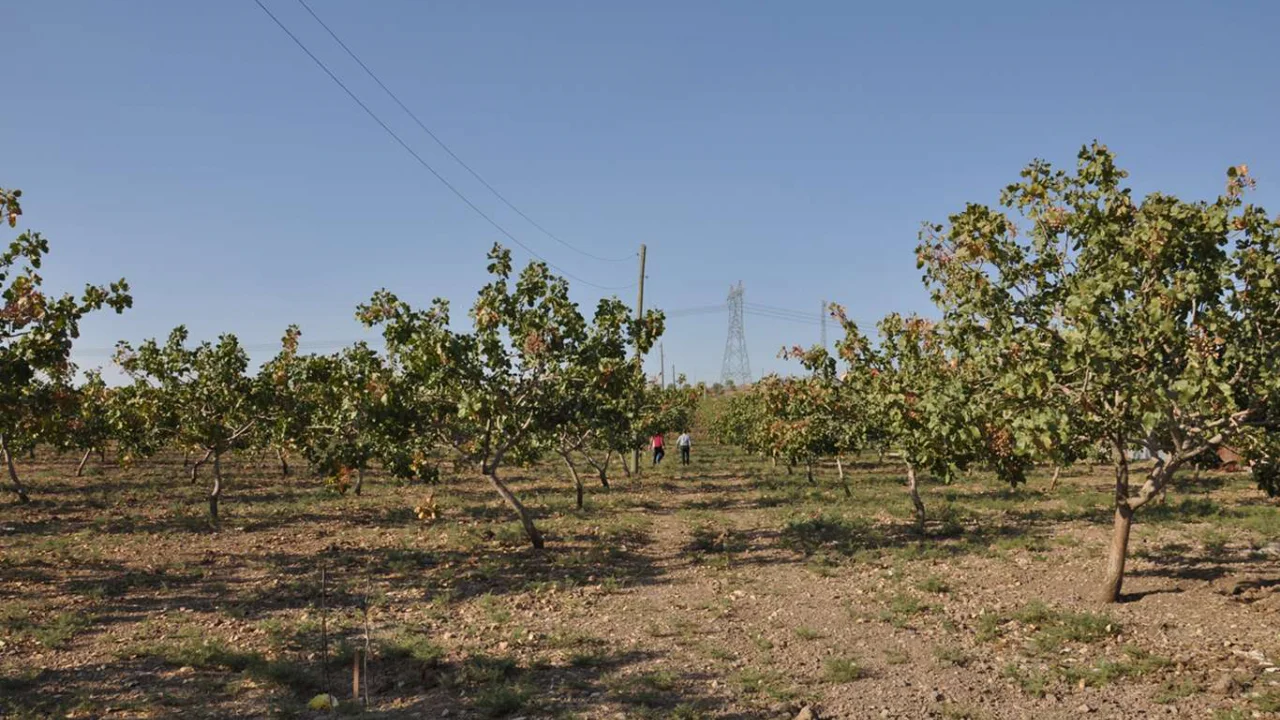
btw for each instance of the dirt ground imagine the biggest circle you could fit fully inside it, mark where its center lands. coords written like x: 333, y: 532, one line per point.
x: 729, y: 589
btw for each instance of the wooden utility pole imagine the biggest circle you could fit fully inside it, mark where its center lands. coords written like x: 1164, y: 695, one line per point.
x: 635, y: 456
x: 662, y: 367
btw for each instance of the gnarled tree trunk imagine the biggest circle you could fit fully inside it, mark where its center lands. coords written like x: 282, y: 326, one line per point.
x: 840, y: 472
x: 808, y: 467
x: 573, y: 473
x: 83, y: 459
x: 913, y: 488
x: 359, y: 486
x: 535, y: 537
x: 1119, y: 550
x: 195, y: 467
x: 216, y: 493
x: 13, y: 472
x: 1053, y: 483
x: 284, y: 462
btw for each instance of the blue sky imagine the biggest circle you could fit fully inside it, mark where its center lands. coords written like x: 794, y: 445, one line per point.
x: 192, y: 148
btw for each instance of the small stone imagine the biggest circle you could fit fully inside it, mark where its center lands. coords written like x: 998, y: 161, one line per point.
x: 939, y: 697
x: 806, y: 713
x: 1224, y: 685
x: 1084, y: 709
x: 1051, y: 698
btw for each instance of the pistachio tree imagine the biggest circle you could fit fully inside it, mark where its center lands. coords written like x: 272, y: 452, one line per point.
x: 37, y: 330
x: 493, y: 394
x: 1148, y: 323
x: 824, y: 413
x: 347, y: 413
x: 916, y: 396
x: 595, y: 386
x: 210, y: 400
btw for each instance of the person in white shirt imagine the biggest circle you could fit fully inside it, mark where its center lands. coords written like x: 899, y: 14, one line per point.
x: 684, y: 442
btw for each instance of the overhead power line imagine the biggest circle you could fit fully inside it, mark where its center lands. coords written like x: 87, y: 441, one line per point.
x: 400, y: 141
x: 373, y: 76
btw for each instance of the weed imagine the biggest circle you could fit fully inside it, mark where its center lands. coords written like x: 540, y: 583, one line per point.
x: 896, y: 656
x: 493, y: 609
x: 934, y: 584
x: 842, y: 670
x: 765, y: 682
x: 951, y: 656
x: 808, y: 633
x: 501, y: 700
x: 1172, y: 691
x: 900, y: 608
x: 408, y: 644
x: 1031, y: 682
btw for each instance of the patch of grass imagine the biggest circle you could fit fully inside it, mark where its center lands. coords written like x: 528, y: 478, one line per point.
x: 951, y: 656
x: 808, y: 633
x: 764, y: 682
x: 651, y: 688
x: 487, y: 669
x: 989, y: 627
x: 1031, y: 682
x: 956, y: 711
x: 1172, y: 691
x: 842, y: 670
x: 1267, y: 702
x: 830, y: 533
x: 501, y: 700
x: 493, y: 609
x: 934, y: 584
x: 900, y: 608
x: 1054, y: 628
x: 190, y: 648
x: 1137, y: 663
x: 408, y: 644
x: 58, y: 630
x: 761, y: 642
x: 52, y: 630
x: 1232, y: 714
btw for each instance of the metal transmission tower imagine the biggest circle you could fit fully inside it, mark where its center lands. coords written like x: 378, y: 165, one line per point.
x: 736, y: 368
x: 822, y: 315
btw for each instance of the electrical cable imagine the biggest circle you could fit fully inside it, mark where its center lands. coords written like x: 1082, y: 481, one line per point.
x: 449, y: 150
x: 423, y: 162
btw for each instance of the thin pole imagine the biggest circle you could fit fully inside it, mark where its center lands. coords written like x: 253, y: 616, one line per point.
x: 635, y: 454
x: 662, y: 366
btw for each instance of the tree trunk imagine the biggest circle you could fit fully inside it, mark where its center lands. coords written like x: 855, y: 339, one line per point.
x: 195, y: 467
x: 808, y: 467
x: 604, y: 470
x: 216, y: 493
x: 535, y: 537
x: 284, y: 463
x: 102, y: 455
x: 915, y: 497
x: 84, y: 459
x: 13, y: 472
x: 573, y: 473
x: 359, y: 481
x: 1053, y: 484
x: 622, y: 458
x: 1119, y: 550
x: 840, y: 472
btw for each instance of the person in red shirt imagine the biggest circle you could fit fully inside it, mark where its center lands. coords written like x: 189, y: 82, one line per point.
x: 658, y: 452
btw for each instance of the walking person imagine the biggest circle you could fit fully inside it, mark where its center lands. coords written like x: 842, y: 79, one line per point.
x: 684, y: 442
x: 658, y: 452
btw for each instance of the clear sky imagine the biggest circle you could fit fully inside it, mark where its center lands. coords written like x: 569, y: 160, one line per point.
x: 795, y: 146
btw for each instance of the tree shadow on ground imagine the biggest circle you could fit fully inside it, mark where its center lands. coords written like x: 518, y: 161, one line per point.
x: 207, y: 678
x: 1178, y: 562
